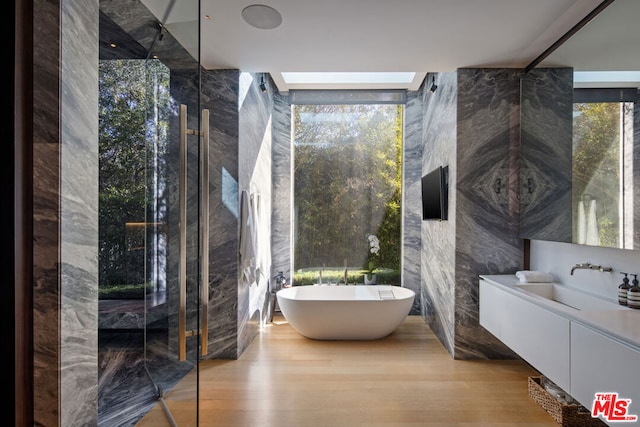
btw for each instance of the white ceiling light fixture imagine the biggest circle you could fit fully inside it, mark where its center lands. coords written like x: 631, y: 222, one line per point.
x: 262, y: 16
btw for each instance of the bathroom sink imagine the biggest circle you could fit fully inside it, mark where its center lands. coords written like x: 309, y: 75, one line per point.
x: 569, y: 297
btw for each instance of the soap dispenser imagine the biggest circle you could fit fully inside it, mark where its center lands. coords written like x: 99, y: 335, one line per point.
x: 633, y: 295
x: 623, y: 289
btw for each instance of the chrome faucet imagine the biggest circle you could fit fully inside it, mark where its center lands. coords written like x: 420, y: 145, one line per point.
x: 586, y: 265
x: 345, y: 276
x: 589, y: 266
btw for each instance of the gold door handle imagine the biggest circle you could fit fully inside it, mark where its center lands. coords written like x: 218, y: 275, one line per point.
x: 204, y: 230
x: 182, y: 267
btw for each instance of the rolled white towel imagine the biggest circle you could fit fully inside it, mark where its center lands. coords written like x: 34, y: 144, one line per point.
x: 529, y: 276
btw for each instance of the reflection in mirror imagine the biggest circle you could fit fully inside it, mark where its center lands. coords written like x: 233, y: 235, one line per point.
x: 583, y: 185
x: 545, y: 168
x: 603, y: 123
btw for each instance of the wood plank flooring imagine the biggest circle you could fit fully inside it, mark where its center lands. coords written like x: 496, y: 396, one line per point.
x: 405, y: 379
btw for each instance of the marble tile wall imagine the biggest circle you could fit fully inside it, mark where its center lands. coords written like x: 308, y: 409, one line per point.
x: 412, y: 196
x: 471, y: 124
x: 254, y: 176
x: 79, y: 214
x: 220, y: 94
x: 46, y: 217
x: 487, y: 198
x: 282, y: 187
x: 547, y: 123
x: 65, y: 213
x: 240, y: 152
x: 437, y: 257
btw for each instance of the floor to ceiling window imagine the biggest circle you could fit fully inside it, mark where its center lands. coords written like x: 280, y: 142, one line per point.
x: 347, y: 193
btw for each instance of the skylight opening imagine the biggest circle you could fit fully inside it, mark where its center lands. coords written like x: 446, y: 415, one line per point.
x: 348, y: 77
x: 606, y: 76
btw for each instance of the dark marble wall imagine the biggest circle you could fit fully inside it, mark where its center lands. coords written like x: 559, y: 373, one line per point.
x: 437, y: 257
x: 79, y: 214
x: 282, y: 187
x: 46, y: 215
x: 254, y: 177
x: 412, y: 196
x: 240, y: 159
x: 487, y: 195
x: 547, y: 126
x: 471, y: 125
x: 220, y: 92
x: 65, y: 213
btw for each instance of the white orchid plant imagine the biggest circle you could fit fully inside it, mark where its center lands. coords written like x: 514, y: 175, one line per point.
x: 374, y: 250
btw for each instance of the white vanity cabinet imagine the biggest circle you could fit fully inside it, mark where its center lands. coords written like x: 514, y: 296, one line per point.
x: 594, y: 348
x: 491, y: 303
x: 600, y: 364
x: 536, y: 334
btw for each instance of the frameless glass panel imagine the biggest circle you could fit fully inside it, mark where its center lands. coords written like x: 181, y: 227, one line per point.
x: 150, y: 240
x: 347, y: 193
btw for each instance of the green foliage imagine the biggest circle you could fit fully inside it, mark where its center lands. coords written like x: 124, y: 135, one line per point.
x: 129, y: 291
x: 128, y: 90
x: 596, y: 163
x: 335, y: 275
x: 596, y: 145
x: 347, y: 184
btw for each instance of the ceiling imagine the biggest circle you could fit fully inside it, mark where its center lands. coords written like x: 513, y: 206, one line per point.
x: 418, y: 36
x: 610, y: 38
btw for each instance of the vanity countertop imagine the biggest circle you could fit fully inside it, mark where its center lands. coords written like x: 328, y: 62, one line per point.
x: 621, y: 323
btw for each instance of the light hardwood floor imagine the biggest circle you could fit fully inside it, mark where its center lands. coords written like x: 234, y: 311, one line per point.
x: 405, y: 379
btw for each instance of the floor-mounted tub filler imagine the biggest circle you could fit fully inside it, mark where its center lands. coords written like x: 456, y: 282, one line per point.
x: 354, y: 312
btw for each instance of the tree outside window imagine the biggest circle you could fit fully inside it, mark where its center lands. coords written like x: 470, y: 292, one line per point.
x: 347, y: 187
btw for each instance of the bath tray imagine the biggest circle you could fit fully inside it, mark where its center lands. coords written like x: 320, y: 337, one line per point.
x: 386, y: 294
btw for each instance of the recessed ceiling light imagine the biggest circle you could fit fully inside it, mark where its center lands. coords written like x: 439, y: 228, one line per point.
x: 262, y: 16
x: 113, y: 45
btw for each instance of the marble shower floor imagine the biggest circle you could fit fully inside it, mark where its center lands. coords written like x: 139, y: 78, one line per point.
x: 125, y: 389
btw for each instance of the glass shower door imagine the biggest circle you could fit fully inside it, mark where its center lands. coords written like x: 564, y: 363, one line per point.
x: 153, y: 247
x: 177, y: 203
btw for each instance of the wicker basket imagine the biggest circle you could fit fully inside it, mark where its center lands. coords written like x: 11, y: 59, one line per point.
x: 564, y: 414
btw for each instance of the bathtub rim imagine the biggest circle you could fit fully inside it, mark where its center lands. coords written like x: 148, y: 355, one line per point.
x: 405, y: 293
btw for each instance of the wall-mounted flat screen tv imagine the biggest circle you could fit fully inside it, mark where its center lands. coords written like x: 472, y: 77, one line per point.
x: 435, y: 194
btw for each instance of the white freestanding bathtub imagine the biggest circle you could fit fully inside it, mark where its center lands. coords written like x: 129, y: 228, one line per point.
x: 354, y: 312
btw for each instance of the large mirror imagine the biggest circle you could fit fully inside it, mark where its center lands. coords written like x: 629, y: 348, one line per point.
x: 580, y: 135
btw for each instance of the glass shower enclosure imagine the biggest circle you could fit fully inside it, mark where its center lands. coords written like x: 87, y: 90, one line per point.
x: 153, y: 241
